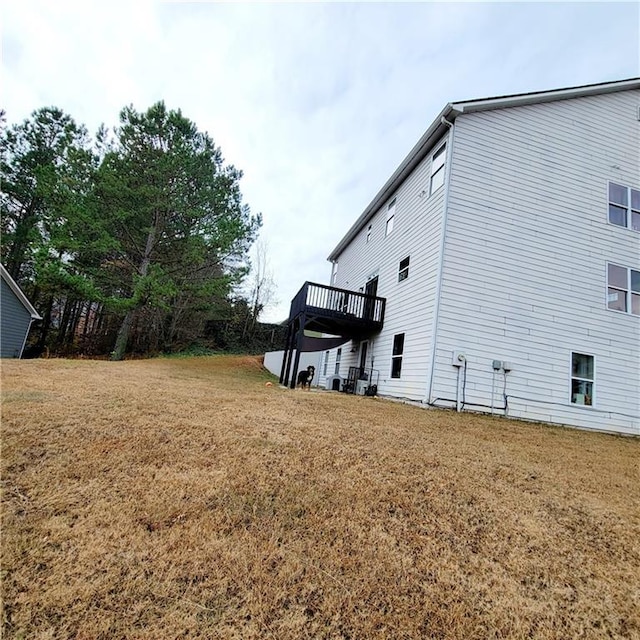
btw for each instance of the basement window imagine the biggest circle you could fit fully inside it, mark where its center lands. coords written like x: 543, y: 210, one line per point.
x: 582, y: 377
x: 437, y: 169
x: 623, y: 289
x: 624, y: 206
x: 396, y: 357
x: 391, y: 212
x: 403, y: 269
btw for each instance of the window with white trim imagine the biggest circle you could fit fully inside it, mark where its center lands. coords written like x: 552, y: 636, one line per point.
x: 396, y: 355
x: 582, y: 379
x: 334, y: 276
x: 326, y: 363
x: 623, y: 289
x: 368, y: 234
x: 403, y: 269
x: 437, y: 169
x: 391, y: 212
x: 338, y: 358
x: 624, y: 206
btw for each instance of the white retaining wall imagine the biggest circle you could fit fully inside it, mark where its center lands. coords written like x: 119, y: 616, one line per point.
x: 273, y: 362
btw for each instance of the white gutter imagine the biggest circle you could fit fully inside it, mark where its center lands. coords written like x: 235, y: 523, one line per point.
x: 537, y: 97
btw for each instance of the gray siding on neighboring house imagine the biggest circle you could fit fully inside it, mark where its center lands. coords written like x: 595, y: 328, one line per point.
x: 15, y: 321
x: 525, y: 261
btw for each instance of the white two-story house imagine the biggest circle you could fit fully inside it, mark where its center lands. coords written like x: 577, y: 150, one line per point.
x: 501, y: 261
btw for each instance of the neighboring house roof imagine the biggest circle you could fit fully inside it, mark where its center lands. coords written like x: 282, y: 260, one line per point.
x: 18, y: 293
x: 439, y: 127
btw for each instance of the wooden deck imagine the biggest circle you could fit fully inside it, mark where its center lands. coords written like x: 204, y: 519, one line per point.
x: 350, y: 315
x: 337, y: 311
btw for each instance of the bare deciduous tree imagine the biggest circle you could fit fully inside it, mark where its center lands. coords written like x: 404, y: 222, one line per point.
x: 262, y: 287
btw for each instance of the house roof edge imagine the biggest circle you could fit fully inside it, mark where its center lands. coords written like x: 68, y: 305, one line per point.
x: 426, y: 142
x: 19, y: 294
x: 451, y: 111
x: 537, y: 97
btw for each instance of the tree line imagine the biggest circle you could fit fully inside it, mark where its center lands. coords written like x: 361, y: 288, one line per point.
x: 133, y: 241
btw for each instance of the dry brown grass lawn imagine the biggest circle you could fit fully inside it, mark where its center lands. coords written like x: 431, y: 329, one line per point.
x: 182, y: 498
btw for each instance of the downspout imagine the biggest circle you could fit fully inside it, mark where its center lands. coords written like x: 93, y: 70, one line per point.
x: 436, y: 313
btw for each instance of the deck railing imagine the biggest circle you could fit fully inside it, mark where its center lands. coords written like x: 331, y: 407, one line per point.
x: 338, y: 303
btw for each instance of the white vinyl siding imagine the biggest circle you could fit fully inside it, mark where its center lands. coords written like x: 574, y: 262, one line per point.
x: 526, y: 248
x: 410, y: 306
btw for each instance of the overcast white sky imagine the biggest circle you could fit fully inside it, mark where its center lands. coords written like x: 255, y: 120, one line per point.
x: 316, y: 103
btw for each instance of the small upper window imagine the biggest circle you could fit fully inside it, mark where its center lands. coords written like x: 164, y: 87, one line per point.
x: 623, y: 289
x: 582, y: 370
x: 403, y: 270
x: 396, y: 355
x: 334, y: 277
x: 624, y: 206
x: 391, y: 212
x: 437, y: 169
x: 369, y: 233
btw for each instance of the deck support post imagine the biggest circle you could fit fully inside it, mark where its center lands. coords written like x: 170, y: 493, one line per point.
x: 296, y: 362
x: 290, y: 352
x: 285, y: 355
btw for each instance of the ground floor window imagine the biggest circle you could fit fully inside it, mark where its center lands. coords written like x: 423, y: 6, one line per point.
x: 396, y: 355
x: 582, y: 379
x: 326, y: 363
x: 338, y: 358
